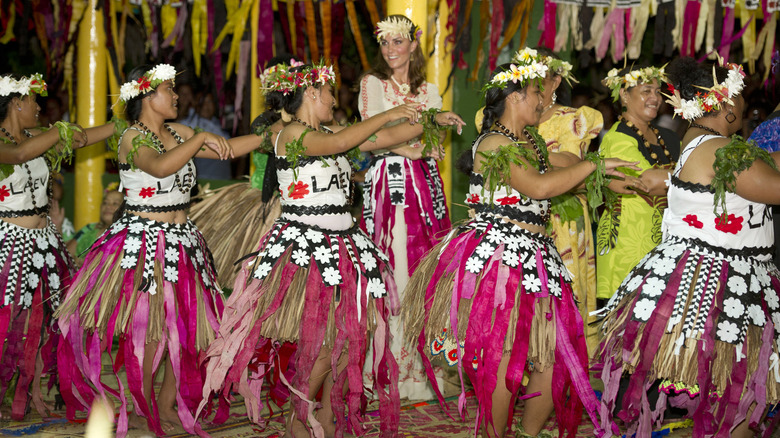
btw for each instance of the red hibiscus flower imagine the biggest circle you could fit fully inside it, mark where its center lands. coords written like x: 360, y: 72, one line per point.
x: 146, y: 192
x: 144, y: 84
x: 693, y: 221
x: 473, y: 198
x: 297, y: 190
x: 4, y: 193
x: 508, y: 200
x: 729, y: 224
x: 670, y: 87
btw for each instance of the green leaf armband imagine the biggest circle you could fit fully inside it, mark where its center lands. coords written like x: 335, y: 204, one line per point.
x: 55, y: 156
x: 431, y: 136
x: 120, y: 125
x: 730, y: 160
x: 295, y: 150
x: 596, y: 181
x: 145, y: 140
x: 6, y: 170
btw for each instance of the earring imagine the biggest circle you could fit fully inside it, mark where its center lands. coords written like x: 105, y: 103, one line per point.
x: 554, y: 97
x: 18, y: 108
x: 732, y: 119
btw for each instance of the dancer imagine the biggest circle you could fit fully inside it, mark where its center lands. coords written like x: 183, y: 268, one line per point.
x: 149, y: 279
x: 35, y: 263
x: 631, y: 223
x: 404, y: 207
x: 495, y: 291
x: 317, y: 279
x: 700, y: 312
x: 569, y: 130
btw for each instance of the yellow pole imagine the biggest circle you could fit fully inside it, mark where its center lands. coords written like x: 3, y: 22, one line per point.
x: 438, y: 69
x: 90, y: 111
x: 415, y: 10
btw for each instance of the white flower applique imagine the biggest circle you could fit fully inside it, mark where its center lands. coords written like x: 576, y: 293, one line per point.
x: 331, y: 276
x: 733, y: 307
x: 644, y: 308
x: 728, y: 331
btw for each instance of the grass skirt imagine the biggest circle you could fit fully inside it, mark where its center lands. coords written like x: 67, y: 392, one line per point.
x: 35, y: 265
x: 142, y: 281
x: 492, y: 288
x: 416, y: 187
x: 318, y: 288
x: 703, y: 320
x: 232, y: 219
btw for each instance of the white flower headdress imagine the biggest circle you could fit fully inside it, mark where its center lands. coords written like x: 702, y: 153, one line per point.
x: 526, y: 66
x: 397, y: 26
x: 709, y: 99
x: 281, y: 78
x: 631, y: 79
x: 560, y: 67
x: 148, y: 82
x: 24, y: 86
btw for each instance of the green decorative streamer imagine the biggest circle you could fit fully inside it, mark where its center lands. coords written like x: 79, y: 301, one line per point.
x: 496, y: 165
x: 120, y: 125
x: 55, y: 156
x: 295, y: 151
x: 730, y: 161
x: 260, y: 161
x: 431, y: 136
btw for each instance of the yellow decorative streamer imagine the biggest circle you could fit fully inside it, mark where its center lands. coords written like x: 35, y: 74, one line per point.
x: 168, y: 16
x: 199, y: 22
x: 311, y: 29
x: 9, y: 31
x: 353, y: 24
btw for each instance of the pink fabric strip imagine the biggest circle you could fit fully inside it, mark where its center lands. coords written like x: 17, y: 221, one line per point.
x: 547, y: 26
x: 496, y: 27
x: 728, y: 31
x: 613, y: 27
x: 690, y: 23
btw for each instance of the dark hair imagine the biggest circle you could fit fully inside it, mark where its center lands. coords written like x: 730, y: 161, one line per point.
x: 564, y: 89
x: 495, y: 103
x: 383, y: 71
x: 689, y: 77
x: 133, y: 106
x: 289, y: 102
x: 5, y: 101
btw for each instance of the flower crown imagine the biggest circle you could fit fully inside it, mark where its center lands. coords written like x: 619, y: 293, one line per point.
x: 525, y: 67
x: 397, y: 26
x: 560, y: 67
x: 281, y: 78
x: 711, y: 98
x: 632, y: 79
x: 148, y: 82
x: 24, y: 86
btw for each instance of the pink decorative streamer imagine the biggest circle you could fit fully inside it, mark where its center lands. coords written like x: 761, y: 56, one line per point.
x: 614, y: 26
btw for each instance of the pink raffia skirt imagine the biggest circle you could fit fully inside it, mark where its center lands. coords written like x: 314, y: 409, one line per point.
x: 143, y: 281
x: 415, y: 186
x: 703, y: 321
x: 35, y: 265
x: 319, y: 288
x: 491, y: 289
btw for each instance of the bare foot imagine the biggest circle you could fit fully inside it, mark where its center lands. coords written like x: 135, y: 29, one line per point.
x: 170, y: 422
x: 135, y: 421
x: 295, y: 428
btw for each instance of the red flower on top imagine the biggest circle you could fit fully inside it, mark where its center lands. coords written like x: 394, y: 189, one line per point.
x: 693, y: 221
x: 508, y: 200
x: 146, y: 192
x: 4, y: 193
x: 730, y: 224
x: 670, y: 87
x: 144, y: 84
x: 297, y: 190
x: 473, y: 198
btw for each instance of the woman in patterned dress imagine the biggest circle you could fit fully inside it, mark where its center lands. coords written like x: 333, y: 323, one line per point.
x: 631, y: 223
x: 317, y: 279
x: 34, y: 264
x: 569, y: 130
x: 495, y: 292
x: 698, y: 317
x: 404, y: 207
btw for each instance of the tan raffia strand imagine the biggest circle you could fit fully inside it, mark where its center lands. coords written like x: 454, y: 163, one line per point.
x: 216, y: 217
x: 285, y: 324
x: 683, y: 368
x: 541, y: 346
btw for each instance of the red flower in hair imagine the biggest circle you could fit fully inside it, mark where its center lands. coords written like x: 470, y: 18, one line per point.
x: 670, y: 87
x: 144, y: 84
x: 693, y: 221
x: 730, y: 224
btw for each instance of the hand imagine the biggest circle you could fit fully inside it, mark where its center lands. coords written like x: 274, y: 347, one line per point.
x: 79, y: 138
x: 450, y: 119
x: 408, y: 111
x: 612, y: 163
x: 627, y: 185
x: 218, y: 144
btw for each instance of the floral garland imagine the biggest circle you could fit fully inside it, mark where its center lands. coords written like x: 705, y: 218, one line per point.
x: 526, y: 66
x: 561, y: 68
x: 730, y: 161
x: 397, y: 26
x: 33, y: 84
x: 632, y: 79
x: 709, y: 99
x: 281, y: 78
x: 148, y: 82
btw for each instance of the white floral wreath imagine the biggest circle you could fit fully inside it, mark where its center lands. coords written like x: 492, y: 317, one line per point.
x: 632, y: 79
x: 525, y: 67
x: 710, y: 98
x: 148, y: 82
x: 397, y: 26
x: 24, y: 86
